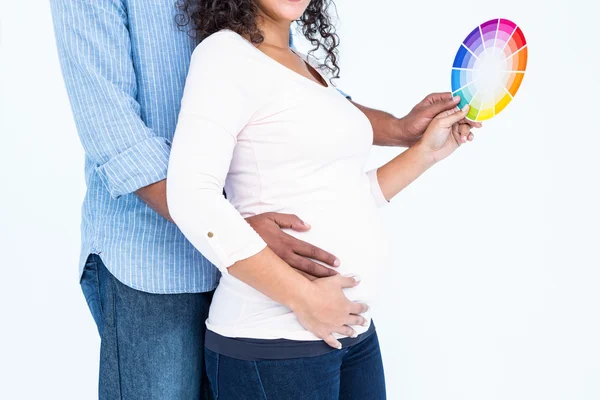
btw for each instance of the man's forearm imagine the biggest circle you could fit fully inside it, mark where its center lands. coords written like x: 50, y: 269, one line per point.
x: 155, y: 195
x: 387, y: 129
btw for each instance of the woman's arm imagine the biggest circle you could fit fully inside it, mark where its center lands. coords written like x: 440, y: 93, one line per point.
x: 439, y: 140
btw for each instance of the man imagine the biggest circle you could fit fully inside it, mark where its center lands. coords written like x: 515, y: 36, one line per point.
x: 124, y: 64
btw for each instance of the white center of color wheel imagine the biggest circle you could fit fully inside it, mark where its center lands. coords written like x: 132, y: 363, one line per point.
x: 491, y: 67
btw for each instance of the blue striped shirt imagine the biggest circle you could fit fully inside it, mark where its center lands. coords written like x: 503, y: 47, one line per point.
x: 124, y: 63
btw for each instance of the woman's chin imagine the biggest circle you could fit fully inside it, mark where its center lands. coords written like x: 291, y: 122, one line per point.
x: 290, y: 10
x: 290, y: 15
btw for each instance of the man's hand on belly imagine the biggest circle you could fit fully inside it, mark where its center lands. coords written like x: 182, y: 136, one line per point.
x: 295, y: 252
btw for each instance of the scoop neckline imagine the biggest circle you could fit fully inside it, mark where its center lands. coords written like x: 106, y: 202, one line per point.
x: 289, y: 70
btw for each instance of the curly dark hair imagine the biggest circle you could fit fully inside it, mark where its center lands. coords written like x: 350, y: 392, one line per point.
x: 205, y: 17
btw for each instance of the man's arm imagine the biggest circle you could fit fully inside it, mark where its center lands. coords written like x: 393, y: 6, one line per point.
x: 387, y: 129
x: 95, y: 54
x: 405, y: 132
x: 155, y: 195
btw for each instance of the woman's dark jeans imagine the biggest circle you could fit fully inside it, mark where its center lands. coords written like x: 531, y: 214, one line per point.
x: 352, y: 373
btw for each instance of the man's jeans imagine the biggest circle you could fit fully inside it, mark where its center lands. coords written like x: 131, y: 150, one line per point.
x: 152, y: 345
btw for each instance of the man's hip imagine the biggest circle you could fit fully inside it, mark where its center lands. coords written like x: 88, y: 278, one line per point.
x: 152, y: 345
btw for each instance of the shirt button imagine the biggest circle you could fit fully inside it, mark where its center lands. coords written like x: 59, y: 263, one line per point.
x: 210, y: 234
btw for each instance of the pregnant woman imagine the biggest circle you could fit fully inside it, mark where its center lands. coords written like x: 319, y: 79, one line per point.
x: 260, y: 121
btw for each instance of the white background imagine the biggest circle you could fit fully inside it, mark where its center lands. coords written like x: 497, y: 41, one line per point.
x: 494, y: 287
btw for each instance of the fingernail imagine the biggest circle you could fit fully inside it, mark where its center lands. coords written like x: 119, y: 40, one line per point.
x: 456, y: 98
x: 364, y: 323
x: 464, y: 139
x: 306, y: 224
x: 465, y: 108
x: 336, y: 263
x: 339, y: 346
x: 354, y: 335
x: 357, y: 278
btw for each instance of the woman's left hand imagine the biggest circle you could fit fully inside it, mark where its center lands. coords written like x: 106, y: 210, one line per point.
x: 445, y: 133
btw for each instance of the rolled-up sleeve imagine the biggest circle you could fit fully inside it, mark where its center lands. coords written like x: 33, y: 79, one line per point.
x: 94, y: 50
x: 215, y: 108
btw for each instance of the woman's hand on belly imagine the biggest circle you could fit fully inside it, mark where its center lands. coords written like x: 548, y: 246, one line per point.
x: 319, y: 311
x: 320, y: 306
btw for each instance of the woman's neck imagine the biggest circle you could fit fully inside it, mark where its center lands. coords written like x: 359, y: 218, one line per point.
x: 276, y: 33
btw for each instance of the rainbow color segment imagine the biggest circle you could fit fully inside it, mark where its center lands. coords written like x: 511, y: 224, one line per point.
x: 489, y: 68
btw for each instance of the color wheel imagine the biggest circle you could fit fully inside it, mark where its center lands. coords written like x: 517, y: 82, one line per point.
x: 489, y: 68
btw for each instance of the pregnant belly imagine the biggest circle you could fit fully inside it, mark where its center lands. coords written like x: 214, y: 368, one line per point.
x: 354, y: 235
x: 357, y: 239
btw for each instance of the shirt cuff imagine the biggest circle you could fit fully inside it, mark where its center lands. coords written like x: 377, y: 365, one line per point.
x: 137, y: 167
x: 380, y: 199
x: 225, y: 259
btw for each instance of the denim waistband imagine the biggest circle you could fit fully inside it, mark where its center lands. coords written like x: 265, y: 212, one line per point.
x: 249, y: 349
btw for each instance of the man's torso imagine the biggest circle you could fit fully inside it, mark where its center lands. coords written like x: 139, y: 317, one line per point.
x: 141, y: 248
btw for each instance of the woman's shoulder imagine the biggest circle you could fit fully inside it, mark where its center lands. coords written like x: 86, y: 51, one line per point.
x: 224, y: 59
x: 224, y: 44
